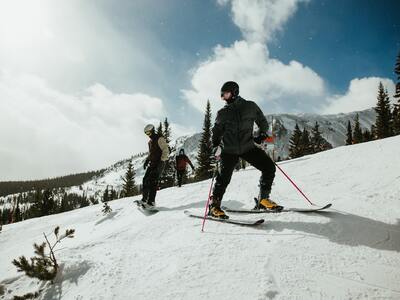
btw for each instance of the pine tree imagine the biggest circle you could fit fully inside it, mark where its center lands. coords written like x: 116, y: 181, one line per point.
x: 357, y: 133
x: 167, y: 131
x: 383, y: 118
x: 44, y: 266
x: 349, y: 139
x: 295, y: 143
x: 48, y: 202
x: 17, y: 213
x: 160, y: 129
x: 113, y: 195
x: 167, y: 179
x: 305, y: 144
x: 106, y: 207
x: 4, y: 216
x: 204, y: 154
x: 36, y: 208
x: 396, y: 119
x: 43, y: 204
x: 367, y: 135
x: 373, y: 132
x: 129, y: 187
x: 396, y: 109
x: 316, y: 139
x: 83, y: 201
x: 106, y: 195
x: 397, y: 72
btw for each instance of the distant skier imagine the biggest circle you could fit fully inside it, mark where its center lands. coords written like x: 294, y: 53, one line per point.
x: 181, y: 162
x: 154, y: 164
x: 232, y: 138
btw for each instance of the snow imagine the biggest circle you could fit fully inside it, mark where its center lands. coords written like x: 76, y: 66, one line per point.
x: 351, y: 252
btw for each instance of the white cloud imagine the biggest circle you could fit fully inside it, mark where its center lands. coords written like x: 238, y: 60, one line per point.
x: 75, y: 43
x: 260, y: 77
x: 361, y: 95
x: 45, y: 132
x: 259, y: 20
x: 286, y: 87
x: 291, y: 87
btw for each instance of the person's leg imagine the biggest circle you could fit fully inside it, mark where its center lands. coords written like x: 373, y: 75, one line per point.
x: 146, y: 185
x: 261, y: 161
x: 180, y: 176
x: 227, y: 165
x: 153, y: 178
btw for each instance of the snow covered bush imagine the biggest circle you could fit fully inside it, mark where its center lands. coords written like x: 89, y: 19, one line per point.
x: 44, y: 265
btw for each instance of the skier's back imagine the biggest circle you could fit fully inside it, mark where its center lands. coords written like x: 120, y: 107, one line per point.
x: 181, y: 162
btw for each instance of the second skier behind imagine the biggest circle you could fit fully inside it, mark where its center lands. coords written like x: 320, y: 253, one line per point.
x: 181, y: 162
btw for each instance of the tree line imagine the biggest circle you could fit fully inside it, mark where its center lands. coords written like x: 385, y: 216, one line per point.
x: 14, y: 187
x: 302, y: 142
x: 387, y: 122
x: 40, y: 203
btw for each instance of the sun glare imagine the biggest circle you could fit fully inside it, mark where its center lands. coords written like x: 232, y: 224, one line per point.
x: 23, y: 23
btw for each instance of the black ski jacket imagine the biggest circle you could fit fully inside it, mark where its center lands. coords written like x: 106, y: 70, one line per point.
x: 234, y: 126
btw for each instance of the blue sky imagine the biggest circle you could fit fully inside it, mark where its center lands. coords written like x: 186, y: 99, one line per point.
x: 352, y: 38
x: 80, y: 79
x: 340, y: 40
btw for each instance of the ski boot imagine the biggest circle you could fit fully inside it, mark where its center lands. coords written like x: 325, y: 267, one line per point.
x: 217, y: 213
x: 215, y: 210
x: 267, y: 204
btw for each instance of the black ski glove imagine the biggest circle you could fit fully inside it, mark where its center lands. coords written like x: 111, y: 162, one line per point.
x: 260, y: 138
x: 146, y: 163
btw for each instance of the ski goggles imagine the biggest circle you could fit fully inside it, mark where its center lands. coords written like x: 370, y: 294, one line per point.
x: 148, y: 133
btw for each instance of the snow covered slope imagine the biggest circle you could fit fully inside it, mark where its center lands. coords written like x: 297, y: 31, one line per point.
x: 351, y: 252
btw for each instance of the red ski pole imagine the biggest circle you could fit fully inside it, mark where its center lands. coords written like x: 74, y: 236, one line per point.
x: 291, y: 181
x: 209, y: 197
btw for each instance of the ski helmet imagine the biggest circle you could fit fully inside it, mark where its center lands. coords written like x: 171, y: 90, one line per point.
x: 149, y: 129
x: 230, y: 86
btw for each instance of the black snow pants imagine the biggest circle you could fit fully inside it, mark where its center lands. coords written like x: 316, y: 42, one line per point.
x: 257, y: 158
x: 150, y: 183
x: 179, y: 175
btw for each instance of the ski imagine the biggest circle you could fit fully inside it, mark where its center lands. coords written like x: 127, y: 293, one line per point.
x: 145, y: 208
x: 288, y: 209
x: 229, y: 221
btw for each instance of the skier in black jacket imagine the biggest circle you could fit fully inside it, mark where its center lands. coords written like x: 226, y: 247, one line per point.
x: 232, y: 138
